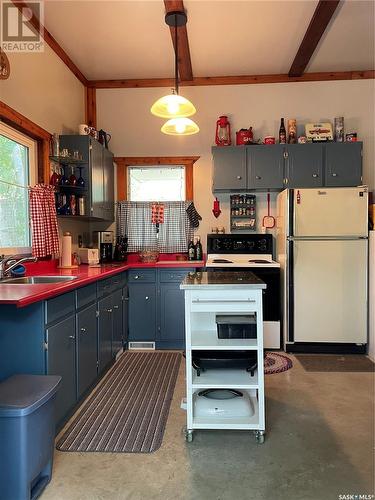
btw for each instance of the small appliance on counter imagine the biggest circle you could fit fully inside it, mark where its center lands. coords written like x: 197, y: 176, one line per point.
x: 89, y: 256
x: 103, y: 241
x: 223, y: 403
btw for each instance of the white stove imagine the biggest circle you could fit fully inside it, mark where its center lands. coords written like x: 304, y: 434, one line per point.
x: 251, y: 252
x: 240, y: 260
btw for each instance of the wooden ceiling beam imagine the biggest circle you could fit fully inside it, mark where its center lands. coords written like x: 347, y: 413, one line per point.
x: 233, y: 80
x: 35, y: 24
x: 318, y: 24
x: 184, y: 61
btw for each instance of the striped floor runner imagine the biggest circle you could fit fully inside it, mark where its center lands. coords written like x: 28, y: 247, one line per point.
x: 128, y: 410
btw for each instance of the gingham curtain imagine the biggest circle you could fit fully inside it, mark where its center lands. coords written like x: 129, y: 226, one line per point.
x: 44, y: 230
x: 134, y: 221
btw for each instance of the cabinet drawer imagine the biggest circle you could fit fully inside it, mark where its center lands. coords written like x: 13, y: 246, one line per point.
x: 60, y: 306
x: 142, y: 276
x: 173, y: 275
x: 104, y: 287
x: 86, y: 295
x: 216, y: 301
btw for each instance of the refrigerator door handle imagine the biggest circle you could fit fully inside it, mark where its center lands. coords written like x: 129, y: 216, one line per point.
x: 326, y: 238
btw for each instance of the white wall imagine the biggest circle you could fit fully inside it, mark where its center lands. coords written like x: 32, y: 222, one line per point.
x: 135, y: 132
x: 43, y: 89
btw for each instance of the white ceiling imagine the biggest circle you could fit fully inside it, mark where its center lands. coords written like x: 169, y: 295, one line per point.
x: 129, y: 38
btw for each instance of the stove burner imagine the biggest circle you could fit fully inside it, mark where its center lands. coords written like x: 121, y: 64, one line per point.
x: 222, y: 261
x: 259, y: 261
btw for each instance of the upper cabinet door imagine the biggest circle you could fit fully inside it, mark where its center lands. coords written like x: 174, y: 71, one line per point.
x: 97, y: 180
x: 304, y: 165
x: 343, y: 161
x: 229, y: 168
x: 265, y: 166
x: 108, y: 178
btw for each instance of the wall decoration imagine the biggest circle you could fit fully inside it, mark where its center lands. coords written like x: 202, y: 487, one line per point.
x: 4, y: 66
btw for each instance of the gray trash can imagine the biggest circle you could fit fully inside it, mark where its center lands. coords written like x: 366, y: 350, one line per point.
x: 27, y: 434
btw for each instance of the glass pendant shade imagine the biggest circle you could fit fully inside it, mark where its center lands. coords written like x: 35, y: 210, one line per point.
x: 172, y: 106
x: 180, y: 126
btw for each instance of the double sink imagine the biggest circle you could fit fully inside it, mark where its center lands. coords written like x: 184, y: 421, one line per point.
x: 36, y: 280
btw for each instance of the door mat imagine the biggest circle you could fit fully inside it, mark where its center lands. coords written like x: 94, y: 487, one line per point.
x: 335, y: 363
x: 127, y: 412
x: 276, y: 363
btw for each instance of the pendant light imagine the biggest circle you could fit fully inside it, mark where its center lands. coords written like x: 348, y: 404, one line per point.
x: 180, y: 126
x: 174, y: 106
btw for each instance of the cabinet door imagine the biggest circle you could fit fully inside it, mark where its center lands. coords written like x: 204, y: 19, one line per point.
x: 172, y: 317
x: 229, y: 168
x: 265, y: 166
x: 142, y: 311
x: 105, y: 332
x: 125, y: 313
x: 97, y: 186
x: 304, y: 165
x: 61, y: 340
x: 343, y: 164
x: 117, y: 334
x: 87, y: 349
x: 108, y: 179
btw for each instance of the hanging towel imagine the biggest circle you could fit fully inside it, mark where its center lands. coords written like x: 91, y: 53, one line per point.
x: 43, y: 218
x: 193, y: 215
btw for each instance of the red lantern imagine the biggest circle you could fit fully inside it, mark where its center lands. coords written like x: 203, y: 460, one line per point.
x: 222, y: 136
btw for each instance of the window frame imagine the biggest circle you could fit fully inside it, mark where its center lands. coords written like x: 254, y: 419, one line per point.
x: 26, y: 141
x: 124, y: 162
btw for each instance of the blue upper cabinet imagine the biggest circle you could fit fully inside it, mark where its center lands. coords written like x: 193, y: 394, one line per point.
x: 265, y: 167
x: 98, y: 173
x: 279, y: 166
x: 343, y: 162
x: 304, y: 165
x: 229, y: 168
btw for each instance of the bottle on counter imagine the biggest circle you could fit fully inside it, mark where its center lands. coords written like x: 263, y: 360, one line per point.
x: 191, y: 250
x: 282, y: 132
x: 198, y: 249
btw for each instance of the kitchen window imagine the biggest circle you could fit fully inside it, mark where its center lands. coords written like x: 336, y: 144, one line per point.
x: 156, y: 183
x: 18, y: 165
x: 155, y: 178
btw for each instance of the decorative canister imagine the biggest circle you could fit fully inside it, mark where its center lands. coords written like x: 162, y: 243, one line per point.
x: 292, y: 131
x: 339, y: 129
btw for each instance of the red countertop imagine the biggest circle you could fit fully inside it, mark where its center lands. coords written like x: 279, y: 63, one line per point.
x: 24, y: 295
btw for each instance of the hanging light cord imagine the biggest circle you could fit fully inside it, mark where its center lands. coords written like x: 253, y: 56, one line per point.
x: 175, y: 54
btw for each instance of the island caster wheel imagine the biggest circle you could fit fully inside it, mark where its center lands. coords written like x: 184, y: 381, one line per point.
x: 189, y: 435
x: 259, y: 437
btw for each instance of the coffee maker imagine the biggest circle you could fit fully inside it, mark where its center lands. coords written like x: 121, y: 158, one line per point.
x: 103, y: 241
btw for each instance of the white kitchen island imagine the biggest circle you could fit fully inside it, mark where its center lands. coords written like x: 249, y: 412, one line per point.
x: 207, y: 295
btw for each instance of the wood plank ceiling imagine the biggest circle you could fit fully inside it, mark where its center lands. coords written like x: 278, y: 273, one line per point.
x: 321, y: 18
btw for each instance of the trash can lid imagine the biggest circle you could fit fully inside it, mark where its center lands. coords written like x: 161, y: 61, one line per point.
x: 21, y: 395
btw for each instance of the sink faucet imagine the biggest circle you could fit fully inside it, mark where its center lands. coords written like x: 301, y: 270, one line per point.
x: 9, y: 263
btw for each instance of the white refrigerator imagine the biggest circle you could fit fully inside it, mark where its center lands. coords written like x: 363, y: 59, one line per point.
x: 322, y: 247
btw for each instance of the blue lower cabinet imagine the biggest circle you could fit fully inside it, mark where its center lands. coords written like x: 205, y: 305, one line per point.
x: 157, y: 309
x: 142, y: 311
x: 61, y: 356
x: 105, y: 332
x: 117, y: 332
x: 172, y: 317
x: 125, y: 314
x: 87, y: 348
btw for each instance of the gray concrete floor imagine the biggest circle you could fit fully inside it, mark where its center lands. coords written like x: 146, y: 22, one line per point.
x: 319, y: 445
